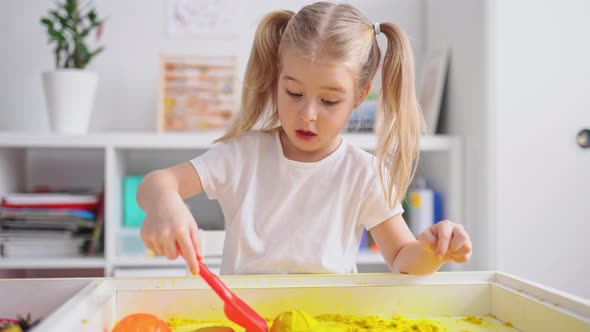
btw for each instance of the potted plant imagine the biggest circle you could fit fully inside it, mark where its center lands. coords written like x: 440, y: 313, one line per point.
x: 70, y: 88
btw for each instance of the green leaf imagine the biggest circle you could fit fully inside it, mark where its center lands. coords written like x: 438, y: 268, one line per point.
x: 70, y: 7
x: 63, y: 45
x: 94, y: 53
x: 57, y: 15
x: 85, y: 32
x: 92, y: 16
x: 64, y: 21
x: 56, y: 35
x: 47, y: 22
x: 97, y: 51
x: 66, y: 24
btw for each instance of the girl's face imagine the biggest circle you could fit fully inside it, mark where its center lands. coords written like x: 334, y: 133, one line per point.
x: 315, y: 100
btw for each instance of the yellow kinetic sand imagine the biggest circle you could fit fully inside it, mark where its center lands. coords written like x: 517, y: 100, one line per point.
x: 300, y: 321
x: 295, y: 321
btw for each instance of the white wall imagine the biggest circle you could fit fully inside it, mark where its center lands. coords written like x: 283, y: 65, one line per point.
x: 517, y: 93
x: 541, y: 79
x: 134, y: 38
x: 461, y: 26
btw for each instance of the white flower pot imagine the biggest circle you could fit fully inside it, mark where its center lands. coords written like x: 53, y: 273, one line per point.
x: 69, y: 94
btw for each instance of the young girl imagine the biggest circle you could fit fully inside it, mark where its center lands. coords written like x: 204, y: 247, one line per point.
x: 294, y: 194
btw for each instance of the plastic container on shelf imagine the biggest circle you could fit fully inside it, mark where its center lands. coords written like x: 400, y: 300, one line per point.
x: 133, y: 215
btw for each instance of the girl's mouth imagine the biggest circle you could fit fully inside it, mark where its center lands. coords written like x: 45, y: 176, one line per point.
x: 305, y: 135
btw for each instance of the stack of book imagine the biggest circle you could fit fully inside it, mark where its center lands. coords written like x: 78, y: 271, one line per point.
x: 363, y: 118
x: 36, y: 225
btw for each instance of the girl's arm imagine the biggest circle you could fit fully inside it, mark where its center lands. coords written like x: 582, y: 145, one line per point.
x: 168, y: 224
x: 442, y: 242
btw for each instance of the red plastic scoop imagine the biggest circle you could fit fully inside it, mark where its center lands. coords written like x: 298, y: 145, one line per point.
x: 234, y: 307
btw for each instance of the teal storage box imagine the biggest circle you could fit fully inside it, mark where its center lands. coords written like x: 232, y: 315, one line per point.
x: 132, y: 215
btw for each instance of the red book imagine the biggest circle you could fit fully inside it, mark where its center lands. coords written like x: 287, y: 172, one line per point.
x: 50, y: 201
x: 69, y: 206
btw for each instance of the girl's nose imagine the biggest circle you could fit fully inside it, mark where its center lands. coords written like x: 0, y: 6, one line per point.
x: 308, y: 113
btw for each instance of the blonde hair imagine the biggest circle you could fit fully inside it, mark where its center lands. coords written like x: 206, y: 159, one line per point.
x: 342, y: 33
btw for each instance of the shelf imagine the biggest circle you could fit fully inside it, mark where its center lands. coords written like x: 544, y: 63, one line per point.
x: 150, y: 140
x: 137, y: 140
x: 368, y: 141
x: 53, y: 263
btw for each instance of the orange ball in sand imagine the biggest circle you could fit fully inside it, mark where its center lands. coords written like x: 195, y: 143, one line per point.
x: 141, y: 323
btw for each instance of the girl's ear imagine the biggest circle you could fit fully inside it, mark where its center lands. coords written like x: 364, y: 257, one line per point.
x: 363, y: 95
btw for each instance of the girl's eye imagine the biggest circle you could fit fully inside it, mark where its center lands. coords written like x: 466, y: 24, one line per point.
x: 329, y: 102
x: 293, y: 94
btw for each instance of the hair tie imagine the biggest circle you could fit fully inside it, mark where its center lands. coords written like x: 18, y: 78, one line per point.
x: 377, y: 28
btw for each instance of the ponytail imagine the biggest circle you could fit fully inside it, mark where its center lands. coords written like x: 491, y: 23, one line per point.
x: 258, y: 94
x: 400, y: 130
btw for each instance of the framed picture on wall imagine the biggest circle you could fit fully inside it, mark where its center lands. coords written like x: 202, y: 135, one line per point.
x: 434, y: 76
x: 198, y: 18
x: 197, y: 92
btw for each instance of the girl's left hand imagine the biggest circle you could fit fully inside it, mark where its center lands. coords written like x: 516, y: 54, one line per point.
x: 447, y: 241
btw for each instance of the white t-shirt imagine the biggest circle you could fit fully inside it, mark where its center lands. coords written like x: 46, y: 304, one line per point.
x: 285, y: 216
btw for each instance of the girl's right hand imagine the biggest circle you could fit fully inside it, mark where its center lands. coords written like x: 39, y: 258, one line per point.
x: 170, y: 224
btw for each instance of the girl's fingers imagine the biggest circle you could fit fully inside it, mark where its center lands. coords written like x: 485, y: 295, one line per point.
x: 188, y: 252
x: 460, y: 248
x: 447, y: 258
x: 444, y: 231
x: 463, y: 252
x: 458, y: 239
x: 460, y: 257
x: 170, y: 250
x: 465, y: 248
x: 161, y: 250
x: 448, y: 242
x: 158, y: 249
x: 150, y: 246
x: 428, y: 240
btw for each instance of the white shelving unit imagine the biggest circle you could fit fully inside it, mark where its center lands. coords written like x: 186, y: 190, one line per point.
x: 53, y: 263
x: 94, y: 160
